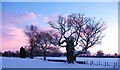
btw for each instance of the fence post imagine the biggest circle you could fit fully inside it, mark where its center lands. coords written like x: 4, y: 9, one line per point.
x: 91, y: 62
x: 99, y: 62
x: 105, y: 64
x: 86, y: 62
x: 114, y: 64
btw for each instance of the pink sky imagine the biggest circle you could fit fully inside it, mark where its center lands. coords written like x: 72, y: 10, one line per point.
x: 13, y: 36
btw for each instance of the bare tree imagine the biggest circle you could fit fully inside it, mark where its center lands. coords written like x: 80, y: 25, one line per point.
x: 69, y: 29
x: 45, y: 39
x: 100, y: 53
x: 81, y: 29
x: 40, y: 39
x: 31, y: 32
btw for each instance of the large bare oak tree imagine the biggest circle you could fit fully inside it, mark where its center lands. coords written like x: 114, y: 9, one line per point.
x: 78, y: 29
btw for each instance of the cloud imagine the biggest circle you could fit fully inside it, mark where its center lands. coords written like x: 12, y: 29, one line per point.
x: 18, y: 18
x: 65, y: 15
x: 13, y: 24
x: 50, y: 18
x: 14, y: 39
x: 54, y: 17
x: 31, y: 15
x: 47, y: 19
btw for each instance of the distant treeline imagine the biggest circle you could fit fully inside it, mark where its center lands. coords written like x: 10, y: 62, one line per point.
x: 17, y: 54
x: 57, y: 54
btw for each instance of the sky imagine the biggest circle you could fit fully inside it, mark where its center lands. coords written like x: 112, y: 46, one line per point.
x: 60, y: 0
x: 16, y: 15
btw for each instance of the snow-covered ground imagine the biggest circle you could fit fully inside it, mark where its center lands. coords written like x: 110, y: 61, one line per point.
x: 37, y: 62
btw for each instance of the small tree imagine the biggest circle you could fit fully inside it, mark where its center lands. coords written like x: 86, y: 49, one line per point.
x: 100, y: 53
x: 39, y: 39
x: 115, y: 54
x: 22, y: 53
x: 44, y: 40
x: 31, y: 32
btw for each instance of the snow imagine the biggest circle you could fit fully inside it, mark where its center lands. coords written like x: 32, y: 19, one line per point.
x: 38, y: 62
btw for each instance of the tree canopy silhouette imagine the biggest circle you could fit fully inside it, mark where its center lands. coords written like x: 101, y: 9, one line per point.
x: 40, y: 39
x: 22, y: 53
x: 44, y: 40
x: 84, y: 31
x: 31, y: 32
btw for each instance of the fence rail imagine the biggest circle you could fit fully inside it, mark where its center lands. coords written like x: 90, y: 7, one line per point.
x: 106, y: 63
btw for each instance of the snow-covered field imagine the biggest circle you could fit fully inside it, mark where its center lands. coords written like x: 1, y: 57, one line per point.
x: 38, y: 62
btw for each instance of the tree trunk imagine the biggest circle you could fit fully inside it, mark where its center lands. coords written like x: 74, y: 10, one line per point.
x: 31, y: 53
x: 70, y: 56
x: 44, y: 54
x: 31, y: 49
x: 74, y: 58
